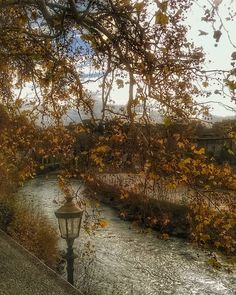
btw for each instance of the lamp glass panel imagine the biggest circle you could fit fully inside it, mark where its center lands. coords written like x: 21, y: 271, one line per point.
x: 62, y: 227
x: 73, y: 227
x: 69, y: 227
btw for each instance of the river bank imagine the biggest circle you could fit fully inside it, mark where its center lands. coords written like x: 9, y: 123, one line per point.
x: 170, y: 212
x: 20, y: 219
x: 165, y: 217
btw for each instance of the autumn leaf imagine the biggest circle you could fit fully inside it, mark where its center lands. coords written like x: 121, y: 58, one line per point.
x: 187, y: 160
x: 180, y: 144
x: 201, y: 151
x: 227, y: 226
x: 233, y: 55
x: 165, y: 236
x: 103, y: 223
x: 167, y: 121
x: 184, y: 178
x: 217, y: 34
x: 139, y: 6
x: 124, y: 195
x: 205, y: 84
x: 162, y: 5
x: 120, y: 83
x: 231, y: 85
x: 205, y: 237
x: 202, y: 33
x: 161, y: 18
x: 102, y: 149
x: 87, y: 37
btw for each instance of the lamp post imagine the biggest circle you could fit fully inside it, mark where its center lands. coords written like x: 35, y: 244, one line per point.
x: 69, y: 219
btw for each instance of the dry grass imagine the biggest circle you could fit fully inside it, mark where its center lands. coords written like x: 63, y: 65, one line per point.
x: 30, y: 229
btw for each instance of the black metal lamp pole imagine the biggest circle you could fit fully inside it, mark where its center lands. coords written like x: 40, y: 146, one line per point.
x: 69, y: 218
x: 70, y: 256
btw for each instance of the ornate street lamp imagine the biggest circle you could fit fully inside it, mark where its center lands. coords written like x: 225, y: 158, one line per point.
x: 69, y: 218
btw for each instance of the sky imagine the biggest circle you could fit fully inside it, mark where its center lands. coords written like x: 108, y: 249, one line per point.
x: 219, y: 55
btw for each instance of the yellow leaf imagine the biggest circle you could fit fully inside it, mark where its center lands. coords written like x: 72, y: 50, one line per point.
x: 187, y: 161
x: 200, y: 152
x: 231, y: 84
x: 227, y: 226
x: 205, y: 238
x: 102, y: 149
x: 103, y: 223
x: 205, y: 84
x: 139, y: 6
x: 124, y: 196
x: 161, y: 18
x: 184, y: 178
x: 164, y: 236
x: 167, y: 121
x: 180, y: 144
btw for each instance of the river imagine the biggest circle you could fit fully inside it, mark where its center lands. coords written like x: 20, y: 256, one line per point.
x: 120, y: 259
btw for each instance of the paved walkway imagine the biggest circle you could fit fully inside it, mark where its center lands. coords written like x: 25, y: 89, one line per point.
x: 23, y: 274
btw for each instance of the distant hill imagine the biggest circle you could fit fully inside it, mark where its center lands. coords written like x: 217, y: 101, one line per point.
x: 73, y: 116
x: 214, y: 119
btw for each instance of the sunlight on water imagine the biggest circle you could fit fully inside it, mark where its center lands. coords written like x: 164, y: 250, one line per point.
x: 120, y: 259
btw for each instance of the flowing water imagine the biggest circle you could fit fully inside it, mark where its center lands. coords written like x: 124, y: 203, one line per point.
x: 120, y: 259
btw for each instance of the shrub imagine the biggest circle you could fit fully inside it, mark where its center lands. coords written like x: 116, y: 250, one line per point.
x: 30, y: 229
x: 164, y: 216
x: 199, y: 221
x: 7, y: 209
x: 214, y: 227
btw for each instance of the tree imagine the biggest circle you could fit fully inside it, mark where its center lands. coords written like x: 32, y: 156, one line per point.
x: 49, y: 45
x: 46, y: 43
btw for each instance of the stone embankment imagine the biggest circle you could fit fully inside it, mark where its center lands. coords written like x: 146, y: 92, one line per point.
x: 21, y: 273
